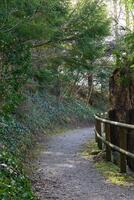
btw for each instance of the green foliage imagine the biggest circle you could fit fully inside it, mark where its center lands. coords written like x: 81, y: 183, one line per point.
x: 87, y: 35
x: 125, y: 52
x: 14, y: 135
x: 44, y: 112
x: 125, y: 57
x: 14, y: 74
x: 14, y: 185
x: 28, y: 23
x: 130, y: 48
x: 21, y: 25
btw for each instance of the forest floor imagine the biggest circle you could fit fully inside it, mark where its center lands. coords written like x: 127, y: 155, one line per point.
x: 63, y: 174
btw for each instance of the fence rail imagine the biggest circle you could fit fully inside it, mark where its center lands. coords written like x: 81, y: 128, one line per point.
x: 103, y: 135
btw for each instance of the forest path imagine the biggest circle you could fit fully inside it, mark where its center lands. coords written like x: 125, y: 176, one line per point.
x: 63, y: 174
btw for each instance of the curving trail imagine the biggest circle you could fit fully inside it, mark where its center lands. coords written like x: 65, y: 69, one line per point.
x: 64, y: 175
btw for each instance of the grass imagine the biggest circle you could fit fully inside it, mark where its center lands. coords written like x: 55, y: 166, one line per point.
x: 109, y: 170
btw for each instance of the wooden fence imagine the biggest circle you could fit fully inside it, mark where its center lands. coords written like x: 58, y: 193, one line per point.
x: 103, y: 136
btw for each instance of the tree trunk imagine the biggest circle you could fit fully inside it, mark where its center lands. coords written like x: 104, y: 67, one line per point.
x: 57, y: 85
x: 127, y: 13
x: 122, y: 105
x: 90, y: 88
x: 116, y: 19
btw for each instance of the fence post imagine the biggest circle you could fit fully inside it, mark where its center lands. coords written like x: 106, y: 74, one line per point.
x: 108, y: 138
x: 123, y: 145
x: 96, y: 126
x: 98, y: 129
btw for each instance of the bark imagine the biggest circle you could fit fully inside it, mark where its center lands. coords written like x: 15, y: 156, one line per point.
x: 73, y: 88
x: 122, y: 105
x: 90, y: 88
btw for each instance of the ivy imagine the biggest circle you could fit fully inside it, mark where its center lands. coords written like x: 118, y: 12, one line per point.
x: 14, y: 74
x: 14, y: 185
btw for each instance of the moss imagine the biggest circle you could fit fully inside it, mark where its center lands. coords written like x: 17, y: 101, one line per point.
x: 109, y: 170
x: 91, y: 149
x: 112, y: 174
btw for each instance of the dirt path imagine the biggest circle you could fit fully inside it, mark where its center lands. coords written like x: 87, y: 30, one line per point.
x: 64, y: 175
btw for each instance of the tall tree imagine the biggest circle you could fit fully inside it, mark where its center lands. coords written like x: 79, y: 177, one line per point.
x: 22, y: 24
x: 122, y: 82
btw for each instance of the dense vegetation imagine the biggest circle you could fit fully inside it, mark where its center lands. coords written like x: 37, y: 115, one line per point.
x: 54, y: 72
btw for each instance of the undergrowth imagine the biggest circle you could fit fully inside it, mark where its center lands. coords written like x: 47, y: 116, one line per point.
x: 15, y: 140
x: 14, y: 185
x: 42, y: 111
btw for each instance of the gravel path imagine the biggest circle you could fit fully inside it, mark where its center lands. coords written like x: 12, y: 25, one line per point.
x: 64, y: 175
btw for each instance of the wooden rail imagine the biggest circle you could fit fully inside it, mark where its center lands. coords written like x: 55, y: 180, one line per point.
x: 103, y: 135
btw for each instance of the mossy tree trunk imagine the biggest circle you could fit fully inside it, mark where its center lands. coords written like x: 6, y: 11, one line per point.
x: 122, y: 105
